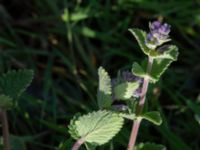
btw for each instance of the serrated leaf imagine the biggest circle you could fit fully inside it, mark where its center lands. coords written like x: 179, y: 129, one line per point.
x: 138, y: 70
x: 104, y: 97
x: 98, y: 127
x: 161, y: 64
x: 72, y: 128
x: 150, y: 146
x: 5, y: 102
x: 169, y: 52
x: 140, y: 36
x: 125, y: 90
x: 153, y: 116
x: 14, y: 83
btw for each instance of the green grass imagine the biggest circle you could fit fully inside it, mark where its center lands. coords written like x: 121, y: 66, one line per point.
x: 66, y: 54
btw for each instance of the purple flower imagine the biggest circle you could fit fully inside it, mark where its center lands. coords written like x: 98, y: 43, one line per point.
x: 155, y: 25
x: 159, y: 34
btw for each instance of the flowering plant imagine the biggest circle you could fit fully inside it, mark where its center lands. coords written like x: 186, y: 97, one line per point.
x: 98, y: 127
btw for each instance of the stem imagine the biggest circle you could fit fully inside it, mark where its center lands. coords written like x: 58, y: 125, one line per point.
x: 5, y: 130
x: 78, y: 143
x: 136, y: 123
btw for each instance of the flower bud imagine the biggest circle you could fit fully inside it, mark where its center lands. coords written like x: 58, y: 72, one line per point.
x: 159, y: 34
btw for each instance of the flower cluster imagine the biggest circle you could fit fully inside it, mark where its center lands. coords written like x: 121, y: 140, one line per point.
x: 159, y: 34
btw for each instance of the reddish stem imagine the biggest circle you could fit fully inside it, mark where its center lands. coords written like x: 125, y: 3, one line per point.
x: 78, y: 143
x: 136, y: 123
x: 5, y: 130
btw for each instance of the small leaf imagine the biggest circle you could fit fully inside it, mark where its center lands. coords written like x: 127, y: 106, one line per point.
x: 104, y: 91
x: 5, y: 102
x: 14, y: 83
x: 99, y: 127
x: 138, y: 70
x: 161, y: 63
x: 153, y: 117
x: 140, y: 36
x: 125, y: 90
x: 150, y: 146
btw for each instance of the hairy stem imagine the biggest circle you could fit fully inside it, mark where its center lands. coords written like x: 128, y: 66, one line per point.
x: 78, y: 143
x: 136, y: 123
x: 5, y: 130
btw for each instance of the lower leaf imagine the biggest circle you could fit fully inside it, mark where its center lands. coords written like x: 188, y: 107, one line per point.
x: 97, y: 128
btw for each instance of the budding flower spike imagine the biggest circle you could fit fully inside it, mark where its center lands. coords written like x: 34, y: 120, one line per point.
x: 159, y: 34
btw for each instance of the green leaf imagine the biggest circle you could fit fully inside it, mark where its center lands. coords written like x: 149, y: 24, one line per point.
x: 104, y: 97
x: 153, y: 117
x: 5, y: 102
x: 170, y: 52
x: 98, y: 127
x: 150, y: 146
x: 138, y: 70
x: 14, y: 83
x: 160, y: 64
x: 140, y: 36
x: 125, y: 90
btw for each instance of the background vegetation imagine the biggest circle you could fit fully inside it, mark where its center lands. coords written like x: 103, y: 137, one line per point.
x: 65, y: 52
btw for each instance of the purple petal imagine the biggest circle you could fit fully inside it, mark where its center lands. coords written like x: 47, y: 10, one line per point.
x: 164, y: 29
x: 155, y: 25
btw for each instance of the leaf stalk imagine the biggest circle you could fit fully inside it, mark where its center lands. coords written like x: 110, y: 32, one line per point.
x: 78, y: 143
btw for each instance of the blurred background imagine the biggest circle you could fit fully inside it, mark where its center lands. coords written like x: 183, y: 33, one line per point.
x: 65, y: 41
